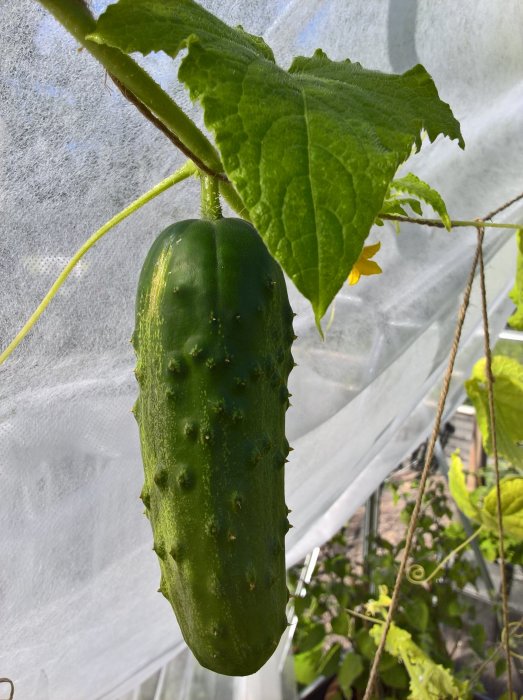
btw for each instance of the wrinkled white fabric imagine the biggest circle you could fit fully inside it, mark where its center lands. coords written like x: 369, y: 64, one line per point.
x: 80, y: 617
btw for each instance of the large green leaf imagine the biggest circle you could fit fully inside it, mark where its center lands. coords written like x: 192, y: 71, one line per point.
x: 311, y: 150
x: 428, y: 680
x: 511, y: 492
x: 508, y: 406
x: 516, y: 294
x: 458, y: 488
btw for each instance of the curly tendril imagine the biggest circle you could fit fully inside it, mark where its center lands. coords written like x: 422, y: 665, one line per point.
x: 515, y: 636
x: 416, y: 572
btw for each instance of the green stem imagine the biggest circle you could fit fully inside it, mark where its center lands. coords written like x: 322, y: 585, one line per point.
x: 210, y: 198
x: 416, y: 572
x: 364, y: 617
x: 76, y: 18
x: 233, y: 199
x: 477, y: 223
x: 181, y: 174
x: 477, y: 675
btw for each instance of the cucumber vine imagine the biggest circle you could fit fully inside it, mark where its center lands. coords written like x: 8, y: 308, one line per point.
x: 258, y: 112
x: 184, y: 172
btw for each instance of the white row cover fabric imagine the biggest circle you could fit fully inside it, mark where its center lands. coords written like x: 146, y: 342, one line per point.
x: 80, y: 616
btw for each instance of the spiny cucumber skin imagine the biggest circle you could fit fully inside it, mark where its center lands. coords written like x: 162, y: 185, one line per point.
x: 212, y: 340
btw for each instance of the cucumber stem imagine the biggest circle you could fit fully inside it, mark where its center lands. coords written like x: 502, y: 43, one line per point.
x: 184, y: 172
x: 234, y: 200
x: 210, y: 198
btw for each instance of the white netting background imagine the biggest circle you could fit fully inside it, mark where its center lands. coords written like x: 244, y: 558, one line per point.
x: 80, y: 612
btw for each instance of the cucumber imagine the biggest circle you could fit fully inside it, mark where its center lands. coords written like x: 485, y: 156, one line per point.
x: 213, y: 345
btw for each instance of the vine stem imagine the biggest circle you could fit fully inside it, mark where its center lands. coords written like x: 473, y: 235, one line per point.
x: 76, y: 18
x: 477, y: 674
x: 368, y: 618
x: 417, y: 567
x: 210, y: 198
x: 490, y: 392
x: 498, y: 649
x: 424, y: 476
x: 184, y: 172
x: 437, y: 223
x: 504, y: 206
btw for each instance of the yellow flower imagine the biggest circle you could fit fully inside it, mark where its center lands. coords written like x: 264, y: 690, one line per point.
x: 364, y: 265
x: 379, y: 607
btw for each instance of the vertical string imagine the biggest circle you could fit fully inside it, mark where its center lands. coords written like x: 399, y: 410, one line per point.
x: 424, y: 476
x: 490, y: 391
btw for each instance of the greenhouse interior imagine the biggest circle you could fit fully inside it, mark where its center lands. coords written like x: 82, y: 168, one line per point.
x: 261, y: 358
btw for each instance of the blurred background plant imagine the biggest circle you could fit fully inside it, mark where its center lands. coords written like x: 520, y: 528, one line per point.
x: 332, y: 640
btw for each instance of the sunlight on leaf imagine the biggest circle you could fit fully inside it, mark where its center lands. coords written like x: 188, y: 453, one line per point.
x: 458, y: 487
x: 311, y: 150
x: 428, y: 680
x: 508, y: 406
x: 516, y: 294
x: 511, y: 507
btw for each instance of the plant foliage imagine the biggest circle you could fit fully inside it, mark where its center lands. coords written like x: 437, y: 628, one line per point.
x: 417, y: 644
x: 311, y: 150
x: 516, y: 294
x: 480, y: 505
x: 417, y: 191
x: 508, y: 406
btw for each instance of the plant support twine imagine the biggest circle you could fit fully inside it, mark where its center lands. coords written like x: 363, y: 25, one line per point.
x: 478, y: 258
x: 423, y: 481
x: 490, y: 391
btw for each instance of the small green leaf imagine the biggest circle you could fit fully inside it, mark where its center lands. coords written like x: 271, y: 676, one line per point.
x: 478, y: 637
x: 508, y: 406
x: 340, y: 624
x: 306, y: 665
x: 489, y: 547
x: 365, y: 644
x: 458, y: 487
x: 311, y: 150
x: 417, y: 613
x: 414, y: 186
x: 395, y: 677
x: 301, y: 605
x: 394, y: 204
x: 314, y: 636
x: 500, y: 666
x: 511, y: 489
x: 516, y: 320
x: 387, y: 661
x: 330, y: 661
x: 351, y: 668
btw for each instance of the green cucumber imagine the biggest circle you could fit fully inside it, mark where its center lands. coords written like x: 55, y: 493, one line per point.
x: 212, y: 339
